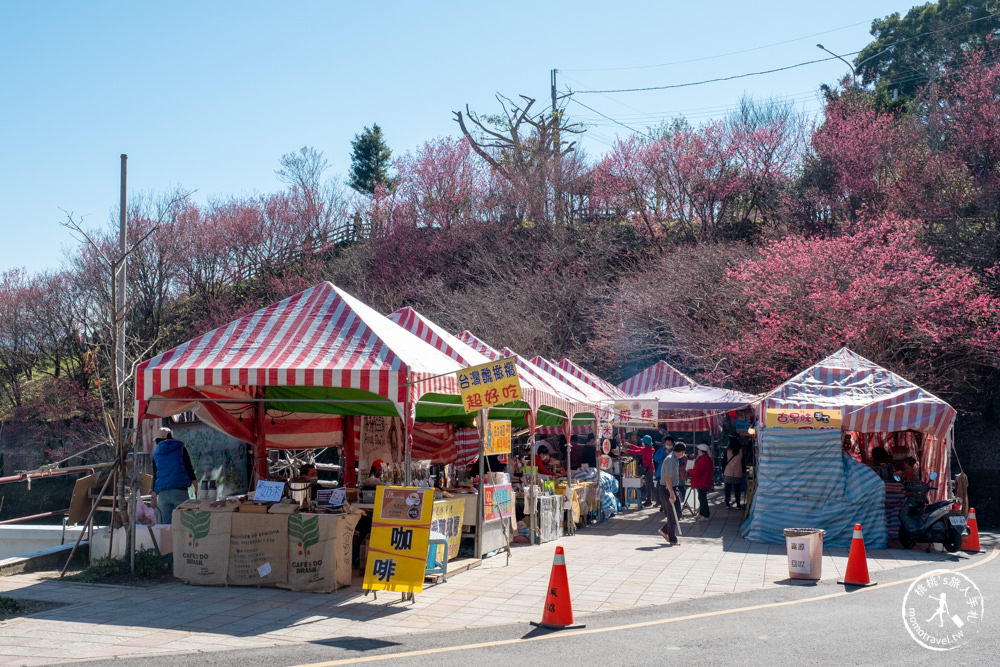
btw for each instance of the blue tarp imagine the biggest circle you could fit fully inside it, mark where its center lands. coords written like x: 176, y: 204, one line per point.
x: 804, y: 480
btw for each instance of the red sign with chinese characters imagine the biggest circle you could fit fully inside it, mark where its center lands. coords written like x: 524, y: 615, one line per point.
x: 638, y: 413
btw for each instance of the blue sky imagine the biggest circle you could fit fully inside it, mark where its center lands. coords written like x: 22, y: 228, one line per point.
x: 208, y: 95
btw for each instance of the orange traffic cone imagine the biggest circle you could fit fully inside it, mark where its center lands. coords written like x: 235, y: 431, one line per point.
x: 971, y: 541
x: 558, y: 612
x: 857, y: 563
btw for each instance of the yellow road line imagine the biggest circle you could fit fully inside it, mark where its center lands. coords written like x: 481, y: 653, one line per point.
x: 645, y: 624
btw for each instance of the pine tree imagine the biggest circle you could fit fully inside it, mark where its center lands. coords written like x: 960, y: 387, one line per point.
x: 369, y: 160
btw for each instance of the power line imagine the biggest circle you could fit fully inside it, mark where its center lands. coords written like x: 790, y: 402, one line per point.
x: 699, y: 83
x: 721, y: 55
x: 573, y: 99
x: 706, y: 110
x: 782, y: 69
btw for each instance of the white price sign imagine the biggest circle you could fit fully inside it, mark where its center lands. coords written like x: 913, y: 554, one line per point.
x: 264, y: 570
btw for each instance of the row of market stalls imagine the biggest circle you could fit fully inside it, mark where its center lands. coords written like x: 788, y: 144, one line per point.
x: 304, y: 372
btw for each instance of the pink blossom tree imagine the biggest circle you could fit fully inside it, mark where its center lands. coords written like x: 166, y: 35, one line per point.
x: 877, y: 290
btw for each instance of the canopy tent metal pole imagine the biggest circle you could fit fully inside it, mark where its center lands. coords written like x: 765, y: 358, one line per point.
x: 597, y: 460
x: 260, y: 444
x: 530, y: 497
x: 481, y: 500
x: 568, y: 428
x: 407, y: 443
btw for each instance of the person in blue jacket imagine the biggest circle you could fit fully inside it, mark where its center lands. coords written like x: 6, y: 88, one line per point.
x: 172, y: 475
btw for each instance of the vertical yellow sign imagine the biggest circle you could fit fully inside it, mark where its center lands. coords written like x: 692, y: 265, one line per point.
x: 397, y: 551
x: 497, y: 437
x: 489, y: 384
x: 447, y: 520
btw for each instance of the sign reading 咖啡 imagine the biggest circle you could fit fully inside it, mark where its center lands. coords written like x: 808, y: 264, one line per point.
x: 397, y: 552
x: 497, y: 437
x: 786, y: 418
x: 489, y: 384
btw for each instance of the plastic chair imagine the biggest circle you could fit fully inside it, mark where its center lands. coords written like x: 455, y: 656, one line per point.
x: 434, y: 566
x: 633, y: 491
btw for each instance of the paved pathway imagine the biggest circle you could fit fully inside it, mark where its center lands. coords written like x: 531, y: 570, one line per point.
x: 619, y: 564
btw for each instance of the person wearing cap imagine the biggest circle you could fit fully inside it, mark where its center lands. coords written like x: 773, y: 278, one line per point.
x: 702, y: 477
x: 645, y: 453
x: 669, y: 470
x: 173, y: 475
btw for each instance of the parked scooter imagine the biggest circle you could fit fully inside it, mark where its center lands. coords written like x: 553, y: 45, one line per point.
x: 938, y: 522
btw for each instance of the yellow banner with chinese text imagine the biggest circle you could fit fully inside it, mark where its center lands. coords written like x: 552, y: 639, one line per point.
x: 486, y: 385
x: 787, y: 418
x: 497, y: 437
x: 447, y: 520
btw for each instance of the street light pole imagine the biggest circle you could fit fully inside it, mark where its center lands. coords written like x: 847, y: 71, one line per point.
x: 854, y: 74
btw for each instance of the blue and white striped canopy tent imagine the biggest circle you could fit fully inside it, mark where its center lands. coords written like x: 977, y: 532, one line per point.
x: 804, y: 480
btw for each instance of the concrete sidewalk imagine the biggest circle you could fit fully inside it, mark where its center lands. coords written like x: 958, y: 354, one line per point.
x: 619, y: 564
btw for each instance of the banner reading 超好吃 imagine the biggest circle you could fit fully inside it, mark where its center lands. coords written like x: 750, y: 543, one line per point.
x: 489, y: 384
x: 397, y: 551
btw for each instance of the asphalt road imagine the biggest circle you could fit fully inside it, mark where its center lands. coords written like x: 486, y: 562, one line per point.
x: 797, y: 624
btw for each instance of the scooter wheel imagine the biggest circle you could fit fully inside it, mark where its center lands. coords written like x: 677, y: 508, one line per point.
x: 905, y: 538
x: 953, y: 542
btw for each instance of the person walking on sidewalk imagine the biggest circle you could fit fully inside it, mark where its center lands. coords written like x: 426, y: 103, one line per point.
x: 645, y: 453
x: 664, y: 449
x: 669, y: 471
x: 732, y: 475
x: 702, y: 477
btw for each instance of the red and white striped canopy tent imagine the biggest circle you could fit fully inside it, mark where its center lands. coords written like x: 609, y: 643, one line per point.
x: 600, y: 398
x: 871, y: 399
x: 570, y: 402
x: 660, y: 375
x: 306, y: 359
x: 696, y: 407
x: 564, y: 399
x: 593, y: 379
x: 535, y: 393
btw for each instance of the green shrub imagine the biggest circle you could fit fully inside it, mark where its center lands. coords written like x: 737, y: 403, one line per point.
x: 149, y: 564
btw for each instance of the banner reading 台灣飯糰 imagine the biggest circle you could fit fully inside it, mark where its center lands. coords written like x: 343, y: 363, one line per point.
x: 489, y: 384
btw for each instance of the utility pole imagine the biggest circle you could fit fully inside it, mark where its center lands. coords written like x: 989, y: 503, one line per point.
x: 556, y: 157
x: 120, y: 296
x: 118, y: 322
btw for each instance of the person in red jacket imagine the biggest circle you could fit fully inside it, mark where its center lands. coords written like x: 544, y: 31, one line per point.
x: 645, y: 453
x: 702, y: 476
